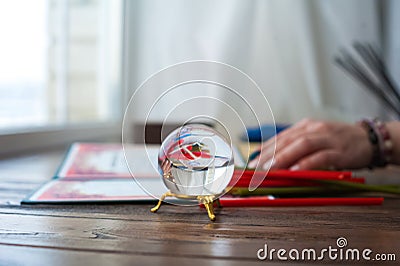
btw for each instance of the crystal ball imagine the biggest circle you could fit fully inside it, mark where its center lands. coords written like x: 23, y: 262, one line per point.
x: 196, y: 160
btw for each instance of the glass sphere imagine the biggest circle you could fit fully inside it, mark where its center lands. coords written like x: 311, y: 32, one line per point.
x: 196, y: 160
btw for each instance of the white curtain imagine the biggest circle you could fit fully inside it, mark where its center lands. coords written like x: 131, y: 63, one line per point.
x: 392, y: 38
x: 286, y: 46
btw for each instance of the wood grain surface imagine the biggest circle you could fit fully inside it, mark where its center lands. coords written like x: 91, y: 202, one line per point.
x: 128, y: 234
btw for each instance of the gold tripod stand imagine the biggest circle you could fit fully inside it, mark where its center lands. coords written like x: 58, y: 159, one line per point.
x: 207, y: 201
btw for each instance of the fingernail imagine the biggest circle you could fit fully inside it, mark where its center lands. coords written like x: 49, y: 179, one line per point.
x: 268, y: 164
x: 294, y: 167
x: 254, y: 155
x: 252, y: 164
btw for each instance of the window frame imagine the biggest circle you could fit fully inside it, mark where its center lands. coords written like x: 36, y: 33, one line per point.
x: 36, y: 139
x: 44, y: 138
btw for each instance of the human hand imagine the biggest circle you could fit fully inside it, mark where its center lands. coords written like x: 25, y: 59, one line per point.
x: 166, y: 169
x: 312, y: 144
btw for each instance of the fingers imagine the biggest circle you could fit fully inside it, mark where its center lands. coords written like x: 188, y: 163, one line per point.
x: 166, y: 165
x: 289, y: 133
x: 325, y: 159
x: 276, y: 144
x: 316, y: 144
x: 301, y: 148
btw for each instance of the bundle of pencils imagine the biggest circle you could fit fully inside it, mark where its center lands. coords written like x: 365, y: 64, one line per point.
x: 287, y: 178
x: 287, y: 183
x: 301, y: 188
x: 370, y: 70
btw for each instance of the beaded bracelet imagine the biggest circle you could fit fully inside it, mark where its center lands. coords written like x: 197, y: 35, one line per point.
x: 380, y: 139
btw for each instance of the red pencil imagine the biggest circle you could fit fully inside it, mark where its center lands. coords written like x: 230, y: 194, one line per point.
x: 306, y: 174
x: 287, y: 182
x: 292, y: 202
x: 275, y: 183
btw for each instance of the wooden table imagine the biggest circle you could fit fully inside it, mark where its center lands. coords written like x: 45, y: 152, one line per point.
x: 130, y: 234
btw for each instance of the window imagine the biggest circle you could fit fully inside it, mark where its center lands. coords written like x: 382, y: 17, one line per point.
x: 60, y: 65
x: 60, y: 62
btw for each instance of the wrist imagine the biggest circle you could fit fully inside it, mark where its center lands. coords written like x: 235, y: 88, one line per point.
x: 380, y: 139
x: 392, y: 128
x: 366, y: 146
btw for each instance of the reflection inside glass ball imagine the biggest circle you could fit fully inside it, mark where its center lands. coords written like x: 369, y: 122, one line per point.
x: 196, y: 160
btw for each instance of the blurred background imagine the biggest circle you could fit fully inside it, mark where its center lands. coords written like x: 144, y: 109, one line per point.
x: 69, y: 67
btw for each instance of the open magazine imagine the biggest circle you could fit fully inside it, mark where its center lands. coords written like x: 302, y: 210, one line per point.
x: 98, y: 172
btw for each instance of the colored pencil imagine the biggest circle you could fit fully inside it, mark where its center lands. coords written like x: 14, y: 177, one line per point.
x: 287, y: 182
x: 294, y: 202
x: 329, y: 187
x: 302, y: 174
